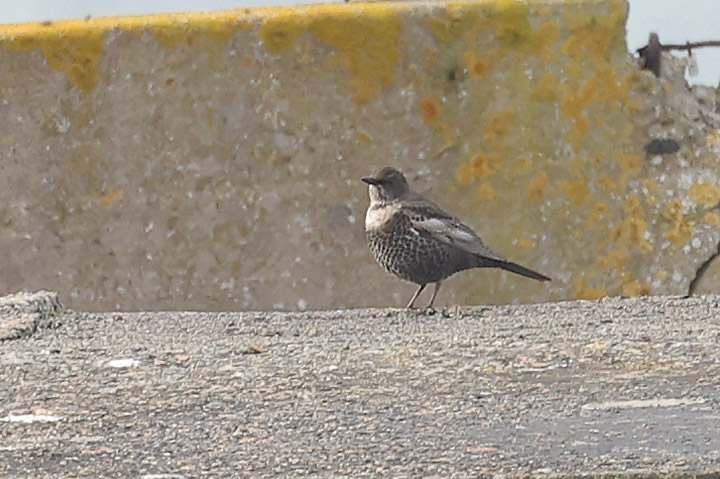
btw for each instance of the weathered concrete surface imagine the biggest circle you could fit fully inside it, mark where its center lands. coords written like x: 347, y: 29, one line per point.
x: 615, y: 388
x: 212, y: 161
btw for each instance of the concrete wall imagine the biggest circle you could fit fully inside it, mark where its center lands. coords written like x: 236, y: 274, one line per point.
x: 212, y: 161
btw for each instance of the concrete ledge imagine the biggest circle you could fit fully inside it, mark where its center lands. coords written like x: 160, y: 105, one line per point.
x: 211, y: 161
x: 615, y: 388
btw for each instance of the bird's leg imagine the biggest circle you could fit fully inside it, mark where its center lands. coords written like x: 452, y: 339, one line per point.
x: 417, y: 293
x: 432, y: 300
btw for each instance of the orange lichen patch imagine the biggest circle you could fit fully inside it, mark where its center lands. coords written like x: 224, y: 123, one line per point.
x: 681, y: 229
x: 574, y: 101
x: 76, y: 52
x: 545, y: 37
x: 546, y: 89
x: 525, y: 243
x: 363, y: 138
x: 486, y: 164
x: 713, y: 138
x: 430, y: 109
x: 606, y: 182
x: 632, y: 105
x: 661, y: 275
x: 522, y: 165
x: 628, y: 162
x: 445, y: 130
x: 711, y: 218
x: 680, y: 233
x: 536, y: 187
x: 475, y: 66
x: 499, y: 125
x: 512, y: 27
x: 635, y: 288
x: 599, y: 212
x: 577, y: 133
x: 478, y: 67
x: 464, y: 174
x: 111, y: 196
x: 366, y: 37
x: 486, y: 192
x: 369, y: 42
x: 633, y: 227
x: 76, y: 46
x: 651, y: 188
x: 584, y: 291
x: 457, y: 19
x: 609, y: 89
x: 594, y: 35
x: 629, y: 165
x: 577, y: 191
x: 603, y: 86
x: 575, y: 72
x: 673, y: 209
x: 210, y: 33
x: 705, y: 194
x: 615, y: 259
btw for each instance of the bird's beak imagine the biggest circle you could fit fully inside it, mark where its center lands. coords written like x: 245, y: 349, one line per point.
x: 370, y: 180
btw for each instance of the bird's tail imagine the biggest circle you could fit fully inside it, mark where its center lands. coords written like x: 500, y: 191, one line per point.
x: 521, y: 270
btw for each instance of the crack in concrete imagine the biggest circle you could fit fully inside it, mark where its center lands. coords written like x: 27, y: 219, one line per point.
x: 700, y: 272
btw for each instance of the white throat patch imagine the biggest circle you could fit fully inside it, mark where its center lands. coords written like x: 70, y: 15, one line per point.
x: 379, y: 215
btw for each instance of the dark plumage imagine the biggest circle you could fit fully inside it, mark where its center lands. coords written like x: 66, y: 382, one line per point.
x: 413, y: 238
x: 651, y: 55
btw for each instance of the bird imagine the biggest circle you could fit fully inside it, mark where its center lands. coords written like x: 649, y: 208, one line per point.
x: 651, y: 54
x: 416, y: 240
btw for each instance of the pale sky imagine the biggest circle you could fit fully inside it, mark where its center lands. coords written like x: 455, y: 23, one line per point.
x: 676, y: 21
x: 679, y: 21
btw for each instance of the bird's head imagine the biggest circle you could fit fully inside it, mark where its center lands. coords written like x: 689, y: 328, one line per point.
x: 386, y: 184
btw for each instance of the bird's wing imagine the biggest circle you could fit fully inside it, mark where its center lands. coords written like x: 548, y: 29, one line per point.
x: 429, y: 219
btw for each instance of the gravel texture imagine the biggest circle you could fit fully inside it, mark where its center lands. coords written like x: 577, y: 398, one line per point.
x: 617, y: 387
